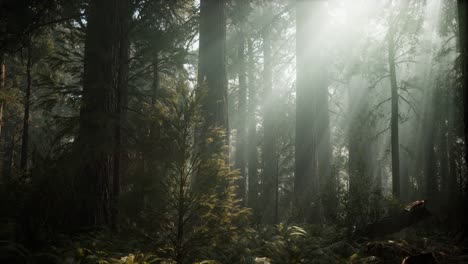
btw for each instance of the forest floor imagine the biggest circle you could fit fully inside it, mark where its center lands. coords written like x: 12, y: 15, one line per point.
x: 279, y: 244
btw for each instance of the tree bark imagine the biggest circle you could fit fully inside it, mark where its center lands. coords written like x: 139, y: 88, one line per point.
x: 26, y: 117
x: 310, y: 79
x: 97, y: 148
x: 242, y: 112
x: 211, y: 70
x: 269, y: 146
x: 359, y: 157
x: 212, y: 87
x: 395, y: 145
x: 121, y: 91
x: 252, y: 132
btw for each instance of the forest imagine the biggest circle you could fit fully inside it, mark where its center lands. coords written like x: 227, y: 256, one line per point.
x: 233, y: 131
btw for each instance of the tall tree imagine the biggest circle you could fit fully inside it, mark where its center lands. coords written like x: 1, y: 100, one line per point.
x: 463, y: 35
x: 97, y: 145
x: 242, y: 111
x: 395, y: 145
x: 311, y: 78
x: 2, y: 88
x: 27, y: 109
x: 212, y: 80
x: 252, y: 131
x: 269, y: 215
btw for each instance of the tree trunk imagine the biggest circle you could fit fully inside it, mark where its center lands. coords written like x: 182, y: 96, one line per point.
x: 242, y: 112
x: 211, y: 69
x: 443, y: 150
x: 27, y: 106
x: 395, y: 145
x: 463, y: 28
x: 121, y: 91
x: 430, y: 170
x: 212, y: 86
x: 97, y: 148
x: 252, y: 133
x: 2, y: 88
x: 269, y: 146
x: 359, y: 156
x: 310, y: 79
x: 153, y: 133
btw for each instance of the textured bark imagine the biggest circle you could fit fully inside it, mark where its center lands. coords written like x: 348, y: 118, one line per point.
x: 211, y: 69
x: 212, y: 87
x: 97, y: 146
x: 242, y: 114
x: 252, y: 132
x: 26, y: 117
x: 121, y: 91
x: 394, y: 130
x: 269, y: 142
x: 310, y: 79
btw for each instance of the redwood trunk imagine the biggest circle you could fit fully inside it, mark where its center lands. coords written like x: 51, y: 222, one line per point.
x: 395, y: 144
x: 27, y: 107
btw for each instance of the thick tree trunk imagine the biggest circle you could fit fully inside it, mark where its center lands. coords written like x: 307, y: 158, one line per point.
x: 252, y: 133
x: 26, y: 117
x: 269, y: 144
x: 310, y: 79
x: 242, y: 113
x: 358, y: 152
x: 121, y: 91
x: 212, y: 87
x: 327, y: 184
x: 97, y: 148
x: 395, y: 145
x: 211, y: 70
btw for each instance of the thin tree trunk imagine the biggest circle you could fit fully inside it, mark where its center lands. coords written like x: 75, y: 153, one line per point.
x: 395, y: 145
x: 463, y: 28
x: 252, y: 132
x: 27, y: 107
x: 154, y: 125
x: 242, y: 112
x: 2, y: 88
x: 269, y: 146
x: 452, y: 156
x: 443, y: 152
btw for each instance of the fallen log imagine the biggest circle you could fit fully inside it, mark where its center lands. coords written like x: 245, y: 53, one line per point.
x: 409, y: 216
